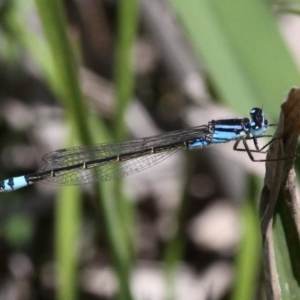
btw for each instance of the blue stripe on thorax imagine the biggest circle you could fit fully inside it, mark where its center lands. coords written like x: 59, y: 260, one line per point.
x: 222, y: 131
x: 226, y: 136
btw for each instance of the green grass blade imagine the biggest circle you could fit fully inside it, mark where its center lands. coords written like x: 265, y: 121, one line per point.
x: 124, y: 87
x: 124, y: 73
x: 68, y: 220
x: 115, y: 224
x: 242, y: 50
x: 287, y: 249
x: 65, y: 65
x: 260, y: 49
x: 248, y: 262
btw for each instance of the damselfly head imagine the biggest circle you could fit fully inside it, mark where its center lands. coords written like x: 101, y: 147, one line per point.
x: 258, y: 122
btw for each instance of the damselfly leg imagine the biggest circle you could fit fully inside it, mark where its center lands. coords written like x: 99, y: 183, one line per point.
x: 257, y: 149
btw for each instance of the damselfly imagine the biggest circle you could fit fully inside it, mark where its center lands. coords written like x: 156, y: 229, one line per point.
x: 88, y: 164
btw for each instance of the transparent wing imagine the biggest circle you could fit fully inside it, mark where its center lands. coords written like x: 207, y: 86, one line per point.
x: 106, y: 172
x: 72, y: 156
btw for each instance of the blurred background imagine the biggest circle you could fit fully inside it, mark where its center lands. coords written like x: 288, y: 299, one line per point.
x: 94, y: 71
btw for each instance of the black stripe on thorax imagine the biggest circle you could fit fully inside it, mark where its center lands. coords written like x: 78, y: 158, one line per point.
x: 233, y: 125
